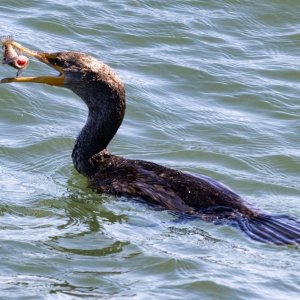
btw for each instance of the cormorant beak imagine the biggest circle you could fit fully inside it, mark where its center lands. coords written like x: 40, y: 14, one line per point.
x: 44, y: 58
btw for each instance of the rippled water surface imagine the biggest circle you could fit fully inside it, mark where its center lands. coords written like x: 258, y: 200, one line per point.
x: 213, y: 88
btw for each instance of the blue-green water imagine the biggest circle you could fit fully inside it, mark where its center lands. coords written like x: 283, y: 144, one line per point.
x: 213, y: 88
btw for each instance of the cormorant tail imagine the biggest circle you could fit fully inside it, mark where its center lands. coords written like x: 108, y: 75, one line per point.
x: 279, y: 230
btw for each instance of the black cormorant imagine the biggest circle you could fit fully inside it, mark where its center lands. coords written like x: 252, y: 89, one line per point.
x: 104, y: 94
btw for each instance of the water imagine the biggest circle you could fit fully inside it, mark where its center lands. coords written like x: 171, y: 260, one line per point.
x: 212, y: 88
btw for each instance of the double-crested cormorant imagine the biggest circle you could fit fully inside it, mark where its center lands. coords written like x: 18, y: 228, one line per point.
x: 104, y: 94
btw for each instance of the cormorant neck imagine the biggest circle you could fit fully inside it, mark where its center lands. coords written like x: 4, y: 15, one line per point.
x: 104, y: 95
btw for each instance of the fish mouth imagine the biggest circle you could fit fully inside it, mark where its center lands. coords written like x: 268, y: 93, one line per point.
x: 43, y: 57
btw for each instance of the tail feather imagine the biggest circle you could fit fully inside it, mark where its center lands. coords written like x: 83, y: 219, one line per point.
x: 270, y: 229
x: 287, y: 228
x: 271, y: 234
x: 280, y: 230
x: 253, y: 233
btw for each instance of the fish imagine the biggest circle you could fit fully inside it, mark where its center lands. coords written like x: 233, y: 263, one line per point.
x: 12, y: 57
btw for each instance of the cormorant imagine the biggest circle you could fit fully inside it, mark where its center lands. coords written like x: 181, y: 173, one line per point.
x: 104, y: 94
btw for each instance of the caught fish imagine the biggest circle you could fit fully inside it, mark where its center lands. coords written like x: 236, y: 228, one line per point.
x: 12, y: 58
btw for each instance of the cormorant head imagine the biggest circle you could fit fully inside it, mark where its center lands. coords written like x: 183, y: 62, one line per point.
x: 86, y: 76
x: 74, y: 68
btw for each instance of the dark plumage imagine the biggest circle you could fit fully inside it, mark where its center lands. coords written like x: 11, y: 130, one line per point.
x: 172, y: 189
x: 104, y: 94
